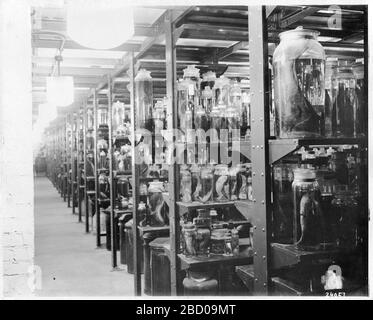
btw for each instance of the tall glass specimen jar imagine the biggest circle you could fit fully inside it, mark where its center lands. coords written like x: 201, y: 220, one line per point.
x: 299, y: 84
x: 144, y: 100
x: 345, y: 120
x: 188, y: 93
x: 118, y: 119
x: 307, y: 218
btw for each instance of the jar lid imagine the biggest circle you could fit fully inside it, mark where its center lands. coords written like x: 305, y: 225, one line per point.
x: 221, y: 82
x: 191, y: 71
x: 213, y: 213
x: 304, y: 174
x: 143, y: 75
x: 156, y: 186
x: 299, y: 32
x: 209, y: 76
x: 189, y: 226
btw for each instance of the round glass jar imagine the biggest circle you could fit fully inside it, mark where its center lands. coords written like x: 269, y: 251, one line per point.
x: 123, y: 187
x: 345, y: 113
x: 196, y: 182
x: 299, y: 84
x: 189, y: 232
x: 156, y: 202
x: 307, y: 217
x: 218, y: 240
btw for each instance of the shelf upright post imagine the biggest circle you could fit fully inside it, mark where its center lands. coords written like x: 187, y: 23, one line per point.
x: 173, y: 177
x: 72, y: 161
x: 78, y: 164
x: 85, y: 154
x: 135, y: 181
x: 259, y: 136
x: 97, y: 209
x: 113, y: 228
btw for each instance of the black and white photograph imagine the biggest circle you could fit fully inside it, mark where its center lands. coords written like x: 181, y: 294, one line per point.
x: 184, y: 150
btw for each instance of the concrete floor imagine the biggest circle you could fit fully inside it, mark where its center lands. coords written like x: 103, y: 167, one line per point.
x: 71, y: 265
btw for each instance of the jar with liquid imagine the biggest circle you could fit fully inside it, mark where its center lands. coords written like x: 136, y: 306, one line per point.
x: 118, y: 118
x: 158, y: 117
x: 144, y: 100
x: 90, y: 118
x: 221, y: 181
x: 156, y: 203
x: 345, y: 212
x: 102, y: 115
x: 188, y: 93
x: 345, y: 113
x: 245, y: 112
x: 308, y: 217
x: 242, y: 182
x: 218, y: 239
x: 207, y: 184
x: 361, y: 94
x: 123, y: 187
x: 189, y: 232
x: 185, y: 184
x: 202, y: 223
x: 221, y: 94
x: 207, y: 100
x: 233, y: 182
x: 299, y: 84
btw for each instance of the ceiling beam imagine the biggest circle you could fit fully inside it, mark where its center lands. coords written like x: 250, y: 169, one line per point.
x: 69, y: 44
x: 77, y: 79
x: 74, y: 71
x: 85, y: 61
x: 294, y: 18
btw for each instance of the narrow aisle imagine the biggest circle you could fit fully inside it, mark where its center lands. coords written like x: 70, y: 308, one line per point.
x: 70, y: 263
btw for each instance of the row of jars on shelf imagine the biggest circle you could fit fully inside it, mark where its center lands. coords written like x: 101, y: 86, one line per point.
x: 210, y: 102
x: 213, y: 183
x: 205, y: 236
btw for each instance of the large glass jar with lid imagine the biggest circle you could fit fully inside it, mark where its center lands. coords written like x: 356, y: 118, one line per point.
x: 345, y: 119
x: 156, y: 203
x: 144, y: 100
x: 189, y: 239
x: 90, y: 118
x: 188, y: 93
x: 245, y: 112
x: 299, y: 84
x: 308, y: 217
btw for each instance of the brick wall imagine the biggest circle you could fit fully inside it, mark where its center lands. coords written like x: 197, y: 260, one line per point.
x: 16, y: 176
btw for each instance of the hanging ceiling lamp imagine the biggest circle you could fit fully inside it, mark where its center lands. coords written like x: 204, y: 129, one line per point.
x: 60, y: 89
x: 99, y: 24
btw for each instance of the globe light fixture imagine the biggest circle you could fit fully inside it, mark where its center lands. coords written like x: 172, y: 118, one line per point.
x: 99, y: 24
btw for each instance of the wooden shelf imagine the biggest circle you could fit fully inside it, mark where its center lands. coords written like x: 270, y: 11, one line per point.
x: 186, y: 206
x: 148, y: 229
x: 279, y: 148
x: 214, y: 260
x: 285, y: 255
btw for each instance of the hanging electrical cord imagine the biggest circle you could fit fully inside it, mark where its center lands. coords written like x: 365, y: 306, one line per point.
x: 58, y: 57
